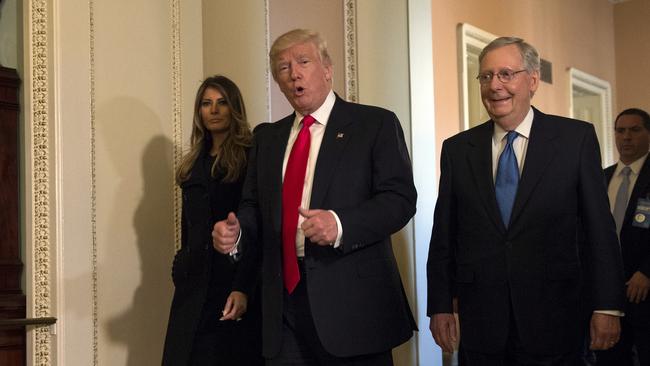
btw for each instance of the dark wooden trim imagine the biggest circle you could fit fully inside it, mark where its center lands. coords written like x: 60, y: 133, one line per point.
x: 12, y: 299
x: 27, y: 321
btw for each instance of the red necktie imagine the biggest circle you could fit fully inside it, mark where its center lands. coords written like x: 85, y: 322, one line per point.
x: 294, y: 181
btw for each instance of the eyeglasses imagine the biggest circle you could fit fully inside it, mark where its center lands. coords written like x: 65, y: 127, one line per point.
x: 504, y: 76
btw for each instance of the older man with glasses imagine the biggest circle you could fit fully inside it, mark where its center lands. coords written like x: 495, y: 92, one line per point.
x: 514, y: 193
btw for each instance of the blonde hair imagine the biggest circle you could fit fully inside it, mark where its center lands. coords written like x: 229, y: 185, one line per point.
x: 232, y: 157
x: 294, y: 37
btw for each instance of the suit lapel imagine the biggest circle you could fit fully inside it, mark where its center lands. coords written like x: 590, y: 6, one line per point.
x: 272, y: 161
x: 480, y: 161
x: 640, y: 185
x: 609, y: 173
x: 540, y: 153
x: 332, y: 146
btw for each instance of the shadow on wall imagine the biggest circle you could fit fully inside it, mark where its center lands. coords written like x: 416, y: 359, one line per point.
x: 136, y: 234
x: 142, y: 327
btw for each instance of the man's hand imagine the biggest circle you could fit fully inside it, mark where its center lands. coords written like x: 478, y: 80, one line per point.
x: 605, y: 331
x: 235, y: 307
x: 319, y: 226
x: 443, y: 329
x: 637, y: 287
x: 225, y: 234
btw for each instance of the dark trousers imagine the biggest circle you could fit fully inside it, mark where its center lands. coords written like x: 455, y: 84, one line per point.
x: 300, y: 343
x: 621, y: 354
x: 514, y: 354
x: 232, y: 343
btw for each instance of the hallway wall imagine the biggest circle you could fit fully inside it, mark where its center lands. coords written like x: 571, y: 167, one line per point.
x: 577, y: 34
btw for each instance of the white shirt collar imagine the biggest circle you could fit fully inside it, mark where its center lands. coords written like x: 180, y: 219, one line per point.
x: 322, y: 114
x: 523, y: 129
x: 635, y: 166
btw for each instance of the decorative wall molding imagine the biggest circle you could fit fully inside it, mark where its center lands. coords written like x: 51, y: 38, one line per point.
x: 583, y: 81
x: 471, y: 40
x: 177, y: 100
x: 40, y: 189
x: 93, y: 184
x: 350, y: 43
x: 269, y: 78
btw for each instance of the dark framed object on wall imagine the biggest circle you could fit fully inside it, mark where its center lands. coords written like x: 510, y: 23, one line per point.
x: 12, y: 299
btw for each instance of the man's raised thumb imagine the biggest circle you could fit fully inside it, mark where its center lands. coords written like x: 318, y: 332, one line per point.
x: 232, y: 219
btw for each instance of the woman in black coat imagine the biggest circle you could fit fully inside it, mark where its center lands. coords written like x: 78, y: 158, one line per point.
x: 215, y: 317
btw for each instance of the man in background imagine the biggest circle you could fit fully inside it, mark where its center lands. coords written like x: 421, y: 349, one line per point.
x: 629, y: 197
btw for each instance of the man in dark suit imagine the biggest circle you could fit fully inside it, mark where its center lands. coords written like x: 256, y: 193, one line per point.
x: 331, y: 290
x: 513, y: 193
x: 631, y: 210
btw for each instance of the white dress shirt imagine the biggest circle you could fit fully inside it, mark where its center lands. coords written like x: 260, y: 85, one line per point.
x: 317, y: 130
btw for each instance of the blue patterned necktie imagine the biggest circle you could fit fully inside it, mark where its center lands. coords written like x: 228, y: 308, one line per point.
x: 507, y: 179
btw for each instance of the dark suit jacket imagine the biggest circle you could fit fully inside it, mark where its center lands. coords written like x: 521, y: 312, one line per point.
x: 635, y: 244
x: 532, y: 268
x: 363, y: 173
x: 204, y: 278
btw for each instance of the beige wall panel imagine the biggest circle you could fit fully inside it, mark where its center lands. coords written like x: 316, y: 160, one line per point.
x: 632, y: 36
x: 134, y: 179
x: 383, y: 69
x: 567, y: 33
x: 192, y: 72
x: 326, y: 17
x: 73, y: 279
x: 234, y: 44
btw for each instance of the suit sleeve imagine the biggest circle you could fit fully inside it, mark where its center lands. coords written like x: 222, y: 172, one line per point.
x: 248, y: 266
x: 645, y: 265
x: 392, y: 197
x: 606, y: 265
x: 440, y: 263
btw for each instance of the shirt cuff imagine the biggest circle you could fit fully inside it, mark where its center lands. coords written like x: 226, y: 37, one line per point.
x: 339, y: 230
x: 610, y: 312
x: 235, y: 250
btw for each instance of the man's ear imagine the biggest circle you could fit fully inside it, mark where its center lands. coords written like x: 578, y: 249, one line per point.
x: 328, y: 72
x: 534, y: 82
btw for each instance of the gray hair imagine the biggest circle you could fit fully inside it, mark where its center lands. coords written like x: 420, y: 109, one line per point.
x: 528, y: 53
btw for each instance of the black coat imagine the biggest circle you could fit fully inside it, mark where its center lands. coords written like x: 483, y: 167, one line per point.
x: 635, y: 244
x: 203, y: 278
x: 529, y: 270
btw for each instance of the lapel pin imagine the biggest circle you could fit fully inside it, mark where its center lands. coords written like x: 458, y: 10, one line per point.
x: 340, y: 135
